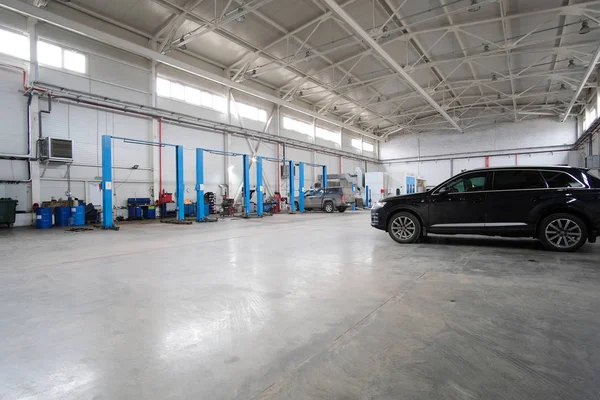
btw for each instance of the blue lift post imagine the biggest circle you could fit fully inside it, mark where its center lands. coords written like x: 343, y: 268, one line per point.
x: 259, y: 188
x: 324, y: 176
x: 107, y: 193
x: 353, y: 192
x: 291, y: 177
x: 107, y: 189
x: 246, y: 165
x: 200, y: 185
x: 367, y: 196
x: 179, y: 182
x: 301, y: 187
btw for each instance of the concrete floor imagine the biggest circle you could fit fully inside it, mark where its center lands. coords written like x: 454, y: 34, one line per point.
x: 293, y: 307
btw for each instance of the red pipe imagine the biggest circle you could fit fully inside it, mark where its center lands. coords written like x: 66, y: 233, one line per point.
x: 487, y: 161
x: 516, y: 159
x: 160, y: 156
x: 278, y: 172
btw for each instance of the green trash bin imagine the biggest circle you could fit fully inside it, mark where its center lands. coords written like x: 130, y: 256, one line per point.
x: 8, y: 211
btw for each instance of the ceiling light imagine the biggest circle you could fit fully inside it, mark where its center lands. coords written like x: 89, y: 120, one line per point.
x: 486, y: 49
x: 474, y: 6
x: 379, y: 99
x: 301, y: 93
x: 240, y: 18
x: 584, y: 28
x: 494, y: 77
x: 182, y: 45
x: 385, y: 35
x: 307, y: 54
x: 334, y: 108
x: 571, y: 64
x: 499, y: 96
x: 253, y: 72
x: 349, y: 81
x: 557, y: 104
x: 562, y: 86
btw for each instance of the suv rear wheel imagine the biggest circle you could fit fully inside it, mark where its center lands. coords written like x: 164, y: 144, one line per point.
x: 328, y: 207
x: 404, y: 227
x: 562, y: 232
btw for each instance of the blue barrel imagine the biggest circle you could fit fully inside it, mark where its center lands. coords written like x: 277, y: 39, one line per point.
x: 78, y: 216
x: 43, y: 218
x: 134, y: 212
x: 61, y: 216
x: 149, y: 212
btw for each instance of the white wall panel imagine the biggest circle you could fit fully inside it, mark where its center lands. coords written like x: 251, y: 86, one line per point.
x: 103, y: 69
x: 64, y: 79
x: 20, y: 192
x: 13, y: 114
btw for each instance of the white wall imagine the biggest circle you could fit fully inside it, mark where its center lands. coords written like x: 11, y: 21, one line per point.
x: 438, y: 156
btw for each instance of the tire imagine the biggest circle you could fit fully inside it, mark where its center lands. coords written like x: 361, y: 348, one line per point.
x: 296, y: 206
x: 404, y: 228
x: 328, y: 207
x: 342, y: 209
x: 562, y: 232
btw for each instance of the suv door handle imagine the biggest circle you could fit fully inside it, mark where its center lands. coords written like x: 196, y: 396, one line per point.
x: 475, y: 200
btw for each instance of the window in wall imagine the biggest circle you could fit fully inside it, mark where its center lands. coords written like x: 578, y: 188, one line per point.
x: 249, y: 112
x: 357, y: 143
x: 55, y: 56
x: 197, y: 97
x: 368, y: 147
x: 14, y: 44
x: 297, y: 126
x: 326, y: 134
x: 514, y: 180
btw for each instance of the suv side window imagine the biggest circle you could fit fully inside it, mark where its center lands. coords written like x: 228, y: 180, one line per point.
x: 474, y: 182
x: 518, y: 179
x: 558, y: 179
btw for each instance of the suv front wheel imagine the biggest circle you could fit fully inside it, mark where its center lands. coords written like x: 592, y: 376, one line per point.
x: 404, y: 227
x: 562, y: 232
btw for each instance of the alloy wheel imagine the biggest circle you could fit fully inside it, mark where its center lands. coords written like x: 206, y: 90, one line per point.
x: 563, y: 233
x: 403, y: 228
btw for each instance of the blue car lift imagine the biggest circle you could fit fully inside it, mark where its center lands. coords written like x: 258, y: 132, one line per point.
x: 200, y: 216
x: 260, y: 206
x: 301, y: 166
x: 107, y: 184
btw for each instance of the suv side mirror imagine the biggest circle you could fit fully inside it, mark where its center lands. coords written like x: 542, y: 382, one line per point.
x: 443, y: 190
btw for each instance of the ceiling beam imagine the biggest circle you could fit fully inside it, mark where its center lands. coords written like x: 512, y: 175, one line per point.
x: 586, y: 76
x: 379, y: 50
x: 111, y: 40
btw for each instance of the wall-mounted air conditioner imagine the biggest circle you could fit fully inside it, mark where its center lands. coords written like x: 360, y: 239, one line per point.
x: 58, y: 150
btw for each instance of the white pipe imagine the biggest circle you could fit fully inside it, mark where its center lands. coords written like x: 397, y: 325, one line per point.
x: 585, y: 78
x: 103, y: 37
x: 378, y: 49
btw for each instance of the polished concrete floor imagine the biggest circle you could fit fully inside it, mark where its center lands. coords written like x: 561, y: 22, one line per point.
x: 293, y: 307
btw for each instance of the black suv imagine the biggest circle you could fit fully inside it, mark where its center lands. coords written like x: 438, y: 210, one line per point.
x: 558, y: 205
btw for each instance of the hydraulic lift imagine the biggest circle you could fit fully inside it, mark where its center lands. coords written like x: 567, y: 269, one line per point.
x: 301, y: 166
x: 107, y: 183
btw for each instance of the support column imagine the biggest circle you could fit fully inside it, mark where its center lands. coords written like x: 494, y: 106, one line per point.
x: 107, y: 191
x: 367, y: 196
x: 324, y: 176
x: 246, y: 189
x: 301, y: 187
x: 291, y: 200
x: 259, y: 187
x: 200, y: 216
x: 354, y: 192
x: 180, y: 188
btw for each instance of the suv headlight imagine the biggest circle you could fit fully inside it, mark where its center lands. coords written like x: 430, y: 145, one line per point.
x: 377, y: 205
